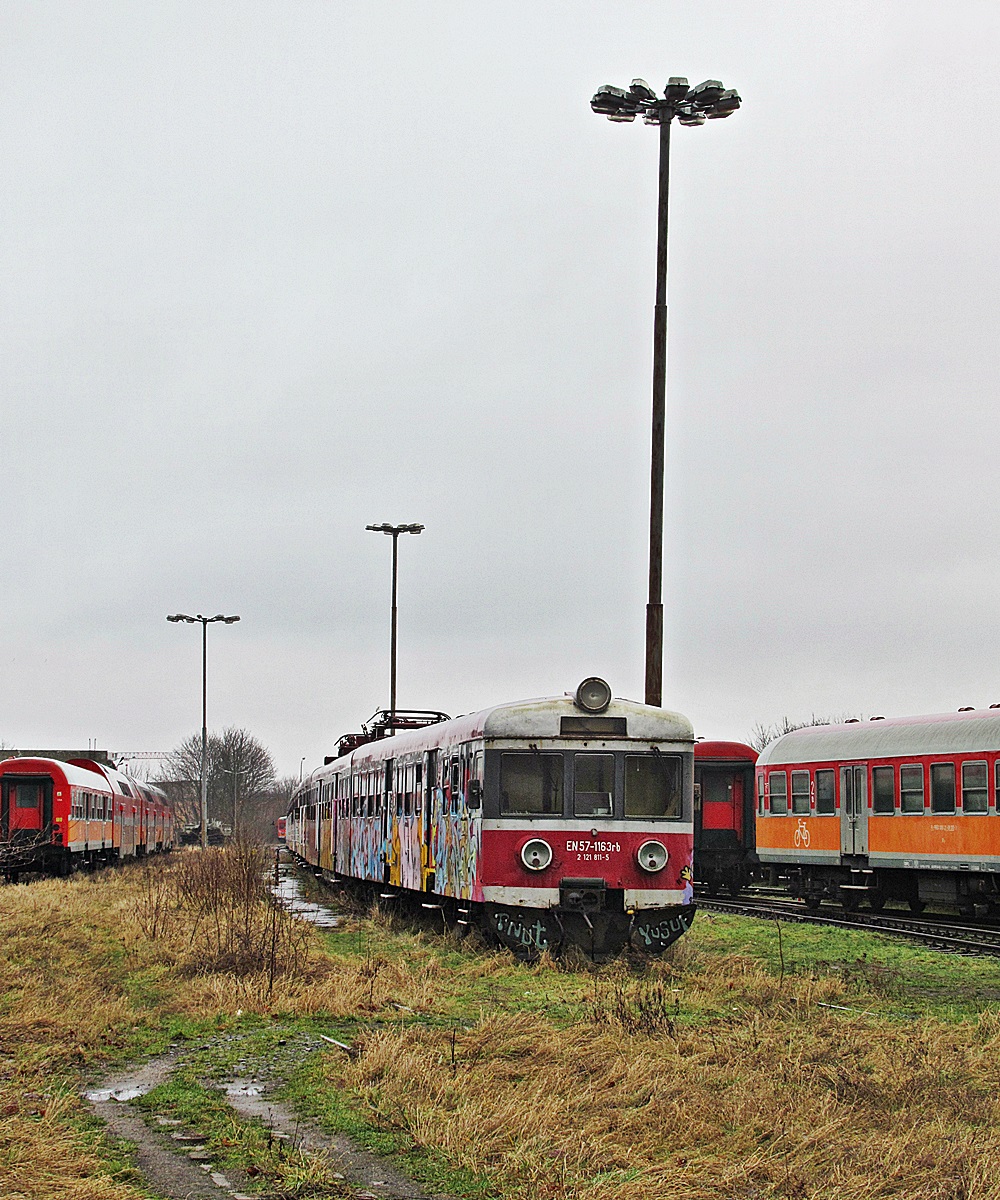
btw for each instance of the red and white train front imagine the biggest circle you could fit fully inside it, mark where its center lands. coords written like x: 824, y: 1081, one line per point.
x: 548, y: 822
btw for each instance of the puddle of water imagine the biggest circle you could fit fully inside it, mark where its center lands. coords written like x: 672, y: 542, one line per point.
x: 288, y: 892
x: 138, y: 1082
x: 102, y: 1095
x: 240, y: 1087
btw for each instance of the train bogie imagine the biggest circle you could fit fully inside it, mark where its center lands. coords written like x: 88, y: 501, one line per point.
x: 544, y: 823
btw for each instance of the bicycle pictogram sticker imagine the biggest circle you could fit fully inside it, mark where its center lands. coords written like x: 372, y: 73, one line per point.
x: 801, y: 837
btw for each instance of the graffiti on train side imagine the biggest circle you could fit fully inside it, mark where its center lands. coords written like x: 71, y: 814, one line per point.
x: 455, y: 846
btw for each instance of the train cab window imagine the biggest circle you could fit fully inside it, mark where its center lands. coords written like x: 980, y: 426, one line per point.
x: 777, y: 787
x: 943, y: 787
x: 883, y: 791
x: 531, y: 784
x: 593, y: 785
x: 974, y: 787
x: 826, y: 802
x: 800, y: 791
x: 27, y: 795
x: 911, y: 789
x: 652, y: 785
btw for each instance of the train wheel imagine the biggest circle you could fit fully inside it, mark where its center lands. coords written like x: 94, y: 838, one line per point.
x: 876, y: 901
x: 849, y: 901
x: 916, y: 907
x: 813, y: 901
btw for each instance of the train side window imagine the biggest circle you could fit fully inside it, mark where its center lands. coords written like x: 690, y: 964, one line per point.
x: 911, y: 789
x: 943, y: 787
x: 356, y: 796
x: 652, y: 785
x: 418, y: 793
x: 593, y: 785
x: 476, y: 781
x: 456, y: 784
x: 800, y: 791
x: 883, y: 790
x: 974, y: 787
x: 760, y: 793
x: 826, y: 804
x: 531, y: 784
x: 777, y: 786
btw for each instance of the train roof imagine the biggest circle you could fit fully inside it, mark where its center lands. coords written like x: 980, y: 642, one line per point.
x: 725, y: 750
x: 522, y: 720
x: 973, y: 732
x: 85, y: 773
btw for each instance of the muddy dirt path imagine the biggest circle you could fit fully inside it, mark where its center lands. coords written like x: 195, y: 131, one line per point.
x: 178, y: 1164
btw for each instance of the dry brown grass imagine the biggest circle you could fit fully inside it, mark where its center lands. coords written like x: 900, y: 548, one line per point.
x: 781, y: 1099
x: 704, y: 1077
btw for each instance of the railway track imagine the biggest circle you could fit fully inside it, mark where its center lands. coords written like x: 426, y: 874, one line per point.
x: 939, y: 934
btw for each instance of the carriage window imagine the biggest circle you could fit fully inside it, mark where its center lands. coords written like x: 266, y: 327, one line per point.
x: 593, y: 785
x: 974, y: 787
x: 943, y: 787
x: 911, y: 789
x: 418, y: 794
x: 652, y: 785
x: 777, y: 784
x: 760, y: 793
x: 883, y: 790
x: 531, y: 784
x: 826, y: 803
x: 356, y: 800
x: 27, y: 795
x: 800, y: 791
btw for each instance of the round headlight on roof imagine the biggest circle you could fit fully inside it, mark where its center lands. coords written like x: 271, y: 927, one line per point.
x: 593, y: 695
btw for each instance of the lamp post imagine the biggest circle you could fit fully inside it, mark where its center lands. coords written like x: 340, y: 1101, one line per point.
x: 691, y: 106
x: 393, y: 531
x: 236, y: 772
x: 205, y: 622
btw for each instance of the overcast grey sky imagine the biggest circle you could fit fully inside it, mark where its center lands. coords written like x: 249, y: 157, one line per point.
x: 273, y: 272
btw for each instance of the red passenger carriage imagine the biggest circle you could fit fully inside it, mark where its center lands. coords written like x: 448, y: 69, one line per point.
x: 57, y: 816
x: 723, y: 815
x: 546, y: 822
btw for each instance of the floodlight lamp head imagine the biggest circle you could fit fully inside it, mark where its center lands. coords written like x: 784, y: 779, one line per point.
x: 230, y: 620
x: 622, y: 115
x: 182, y: 617
x: 705, y: 94
x: 676, y: 89
x: 725, y: 106
x: 689, y: 117
x: 607, y: 99
x: 641, y: 89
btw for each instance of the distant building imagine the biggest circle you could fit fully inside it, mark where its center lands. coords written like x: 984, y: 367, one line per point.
x: 98, y: 756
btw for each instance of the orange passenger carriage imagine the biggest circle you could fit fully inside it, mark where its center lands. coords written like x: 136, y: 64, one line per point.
x: 59, y: 816
x: 888, y: 809
x: 546, y: 823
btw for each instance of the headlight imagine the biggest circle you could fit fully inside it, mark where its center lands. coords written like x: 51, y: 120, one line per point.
x: 652, y: 856
x: 536, y: 854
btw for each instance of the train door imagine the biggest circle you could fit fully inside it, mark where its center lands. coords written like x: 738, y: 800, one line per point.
x: 25, y: 807
x: 390, y: 852
x: 430, y: 816
x: 853, y: 810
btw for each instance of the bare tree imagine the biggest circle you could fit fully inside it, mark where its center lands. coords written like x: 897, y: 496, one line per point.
x: 240, y: 773
x: 762, y: 735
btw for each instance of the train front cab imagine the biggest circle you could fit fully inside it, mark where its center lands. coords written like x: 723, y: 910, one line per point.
x: 723, y: 815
